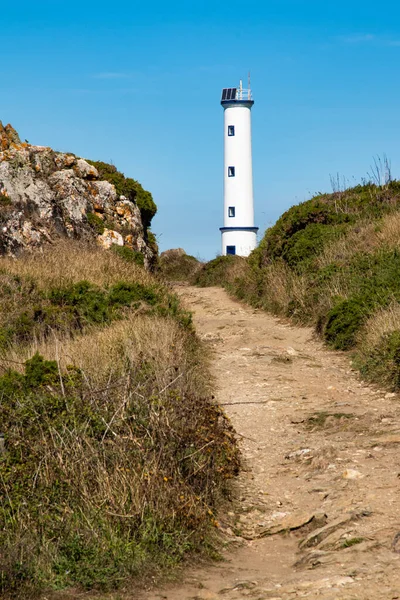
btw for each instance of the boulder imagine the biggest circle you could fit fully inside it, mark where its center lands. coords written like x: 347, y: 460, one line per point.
x: 46, y: 194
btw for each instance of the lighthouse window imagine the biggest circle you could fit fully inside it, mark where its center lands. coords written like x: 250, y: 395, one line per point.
x: 231, y: 249
x: 231, y: 171
x: 231, y: 211
x: 231, y: 130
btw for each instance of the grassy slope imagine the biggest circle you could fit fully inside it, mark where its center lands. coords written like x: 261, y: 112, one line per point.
x: 115, y: 456
x: 332, y: 262
x: 176, y: 266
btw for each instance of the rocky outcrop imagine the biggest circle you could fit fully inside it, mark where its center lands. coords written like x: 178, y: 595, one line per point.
x: 46, y: 194
x: 173, y: 253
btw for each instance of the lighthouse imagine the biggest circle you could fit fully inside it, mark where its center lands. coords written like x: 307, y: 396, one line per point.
x: 239, y: 236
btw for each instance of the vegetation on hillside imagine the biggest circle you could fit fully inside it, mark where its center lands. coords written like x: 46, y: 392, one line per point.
x: 176, y: 265
x: 115, y: 457
x: 333, y: 262
x: 128, y: 187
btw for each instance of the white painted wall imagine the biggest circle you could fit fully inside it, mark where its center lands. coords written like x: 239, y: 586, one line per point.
x: 238, y: 190
x: 245, y: 241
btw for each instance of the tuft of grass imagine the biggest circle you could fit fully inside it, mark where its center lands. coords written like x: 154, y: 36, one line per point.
x: 176, y: 265
x: 352, y: 542
x: 128, y: 254
x: 96, y: 222
x: 318, y: 420
x: 217, y: 271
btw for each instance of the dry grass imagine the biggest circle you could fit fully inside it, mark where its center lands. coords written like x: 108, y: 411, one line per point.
x: 116, y: 457
x: 289, y: 292
x: 366, y: 238
x: 104, y: 353
x: 383, y: 322
x: 176, y: 266
x: 389, y: 231
x: 363, y: 238
x: 377, y: 352
x: 69, y: 262
x: 68, y: 288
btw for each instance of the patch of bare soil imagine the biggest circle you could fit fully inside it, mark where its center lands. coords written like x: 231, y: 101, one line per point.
x: 317, y: 513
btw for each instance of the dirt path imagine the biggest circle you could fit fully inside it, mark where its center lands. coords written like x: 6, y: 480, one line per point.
x: 323, y: 465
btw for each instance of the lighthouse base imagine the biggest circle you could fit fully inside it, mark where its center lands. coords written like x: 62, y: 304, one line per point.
x: 238, y: 240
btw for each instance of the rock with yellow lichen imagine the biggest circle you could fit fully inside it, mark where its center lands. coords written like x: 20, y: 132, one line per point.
x: 8, y: 136
x: 46, y: 194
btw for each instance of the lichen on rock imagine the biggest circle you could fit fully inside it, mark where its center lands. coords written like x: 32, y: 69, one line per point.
x: 46, y: 194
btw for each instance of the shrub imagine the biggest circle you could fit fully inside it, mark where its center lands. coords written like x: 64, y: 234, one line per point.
x: 338, y: 210
x: 116, y: 458
x: 381, y: 363
x: 69, y: 309
x: 343, y: 322
x: 95, y: 222
x: 128, y: 254
x: 214, y: 272
x: 302, y: 247
x: 176, y: 265
x: 106, y: 480
x: 314, y: 212
x: 125, y: 186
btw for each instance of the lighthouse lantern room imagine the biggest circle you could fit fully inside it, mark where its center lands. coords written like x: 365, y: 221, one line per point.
x: 239, y: 236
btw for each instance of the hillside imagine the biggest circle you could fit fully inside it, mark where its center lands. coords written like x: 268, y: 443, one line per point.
x: 332, y: 262
x: 114, y: 458
x: 45, y: 195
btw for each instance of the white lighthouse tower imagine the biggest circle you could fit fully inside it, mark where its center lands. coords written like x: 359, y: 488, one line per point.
x: 239, y: 236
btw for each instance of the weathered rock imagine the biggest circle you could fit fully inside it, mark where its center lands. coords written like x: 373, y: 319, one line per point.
x: 109, y: 237
x: 85, y: 170
x: 46, y: 194
x: 8, y: 136
x: 173, y: 253
x: 352, y: 474
x: 318, y: 535
x: 295, y: 521
x: 388, y: 440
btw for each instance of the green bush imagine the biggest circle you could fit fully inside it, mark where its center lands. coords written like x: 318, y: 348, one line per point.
x: 125, y: 186
x: 373, y: 281
x: 382, y: 363
x: 213, y: 272
x: 315, y: 214
x: 67, y: 475
x: 176, y: 266
x: 115, y: 456
x: 71, y: 309
x: 95, y: 222
x: 302, y: 247
x: 128, y: 254
x: 332, y: 213
x: 343, y: 322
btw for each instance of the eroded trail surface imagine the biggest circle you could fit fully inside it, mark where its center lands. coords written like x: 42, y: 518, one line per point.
x: 318, y: 507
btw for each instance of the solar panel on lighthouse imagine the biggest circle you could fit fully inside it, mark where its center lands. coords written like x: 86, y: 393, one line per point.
x: 229, y: 93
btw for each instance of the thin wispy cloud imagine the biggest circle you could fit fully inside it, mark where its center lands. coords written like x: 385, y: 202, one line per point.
x: 368, y: 38
x: 112, y: 75
x: 365, y: 38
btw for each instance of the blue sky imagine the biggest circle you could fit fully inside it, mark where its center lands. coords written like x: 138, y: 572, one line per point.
x: 139, y: 84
